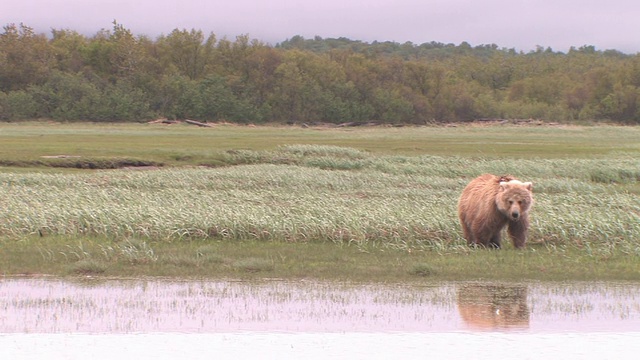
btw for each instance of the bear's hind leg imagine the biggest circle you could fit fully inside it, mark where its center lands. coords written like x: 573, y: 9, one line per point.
x: 468, y: 234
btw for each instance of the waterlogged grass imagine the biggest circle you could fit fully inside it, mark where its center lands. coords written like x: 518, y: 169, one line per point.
x: 325, y: 210
x: 94, y: 256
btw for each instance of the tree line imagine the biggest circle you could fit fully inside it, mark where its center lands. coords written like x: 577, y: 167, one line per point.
x: 115, y: 75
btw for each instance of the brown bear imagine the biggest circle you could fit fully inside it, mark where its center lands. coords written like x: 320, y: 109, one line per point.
x: 489, y: 203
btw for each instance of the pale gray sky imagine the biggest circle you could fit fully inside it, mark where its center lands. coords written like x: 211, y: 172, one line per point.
x: 520, y: 24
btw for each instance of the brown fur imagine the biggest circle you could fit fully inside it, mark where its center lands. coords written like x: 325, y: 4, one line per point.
x: 488, y: 204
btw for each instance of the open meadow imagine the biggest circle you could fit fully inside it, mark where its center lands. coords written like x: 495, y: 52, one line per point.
x: 366, y: 203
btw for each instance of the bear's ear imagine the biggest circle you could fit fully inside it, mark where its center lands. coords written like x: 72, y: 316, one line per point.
x: 503, y: 185
x: 528, y: 185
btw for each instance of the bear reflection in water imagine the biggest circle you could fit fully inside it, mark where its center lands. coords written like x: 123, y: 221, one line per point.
x: 493, y: 307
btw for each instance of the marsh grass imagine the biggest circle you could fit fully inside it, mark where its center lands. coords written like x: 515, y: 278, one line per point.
x: 248, y: 259
x: 135, y: 251
x: 377, y: 197
x: 221, y: 145
x: 254, y: 265
x: 392, y: 207
x: 422, y: 269
x: 87, y: 267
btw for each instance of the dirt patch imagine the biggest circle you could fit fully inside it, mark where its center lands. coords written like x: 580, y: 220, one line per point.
x: 140, y: 168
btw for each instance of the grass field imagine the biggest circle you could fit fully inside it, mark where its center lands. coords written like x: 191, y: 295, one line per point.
x: 356, y: 203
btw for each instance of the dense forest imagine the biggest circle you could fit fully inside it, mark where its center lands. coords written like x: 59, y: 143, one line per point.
x: 115, y: 75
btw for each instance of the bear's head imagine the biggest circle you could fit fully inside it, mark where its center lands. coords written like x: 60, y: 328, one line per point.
x: 514, y: 198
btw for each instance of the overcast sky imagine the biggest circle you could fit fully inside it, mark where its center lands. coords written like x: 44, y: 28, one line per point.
x: 520, y: 24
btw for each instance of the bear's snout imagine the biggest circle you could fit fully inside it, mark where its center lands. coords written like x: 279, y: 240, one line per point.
x: 515, y: 215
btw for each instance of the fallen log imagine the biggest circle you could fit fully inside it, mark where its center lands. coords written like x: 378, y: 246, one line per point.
x: 198, y: 123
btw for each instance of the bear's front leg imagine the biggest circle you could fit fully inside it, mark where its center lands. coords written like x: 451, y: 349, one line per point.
x: 487, y: 238
x: 495, y: 241
x: 518, y: 232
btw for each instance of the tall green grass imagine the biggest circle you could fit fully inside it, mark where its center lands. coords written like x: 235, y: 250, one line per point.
x: 324, y: 193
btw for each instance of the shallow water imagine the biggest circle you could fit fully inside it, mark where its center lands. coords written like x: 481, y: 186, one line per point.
x: 167, y: 319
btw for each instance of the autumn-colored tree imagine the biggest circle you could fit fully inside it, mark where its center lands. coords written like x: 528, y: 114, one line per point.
x: 26, y: 58
x: 68, y: 48
x: 115, y: 75
x: 188, y: 51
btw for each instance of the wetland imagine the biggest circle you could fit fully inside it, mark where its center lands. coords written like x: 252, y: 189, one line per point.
x: 284, y: 242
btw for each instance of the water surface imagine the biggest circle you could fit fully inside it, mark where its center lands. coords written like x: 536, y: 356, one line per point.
x: 166, y: 319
